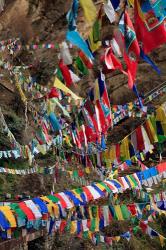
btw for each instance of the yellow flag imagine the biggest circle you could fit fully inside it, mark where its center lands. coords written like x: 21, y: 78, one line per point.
x: 160, y: 116
x: 50, y: 106
x: 59, y: 85
x: 131, y: 2
x: 96, y: 91
x: 112, y: 153
x: 115, y: 173
x: 9, y: 215
x: 52, y: 208
x: 94, y: 46
x: 73, y: 227
x: 87, y: 170
x: 89, y: 10
x: 102, y: 188
x: 162, y: 239
x: 90, y: 234
x: 41, y: 149
x: 152, y: 131
x: 44, y: 198
x: 124, y: 148
x: 118, y: 212
x: 117, y: 238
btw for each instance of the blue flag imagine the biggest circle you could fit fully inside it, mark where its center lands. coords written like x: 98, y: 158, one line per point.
x: 137, y: 94
x: 75, y: 38
x: 149, y: 61
x: 72, y: 15
x: 115, y: 3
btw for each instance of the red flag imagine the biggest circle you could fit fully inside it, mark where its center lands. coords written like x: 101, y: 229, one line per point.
x: 105, y: 102
x: 66, y: 73
x: 111, y: 61
x: 90, y: 134
x: 131, y: 50
x: 150, y: 31
x: 88, y: 63
x: 53, y: 93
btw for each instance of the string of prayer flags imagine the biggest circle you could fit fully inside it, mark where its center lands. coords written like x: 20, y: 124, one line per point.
x: 10, y: 154
x: 80, y: 219
x: 151, y: 232
x: 36, y: 169
x: 69, y: 199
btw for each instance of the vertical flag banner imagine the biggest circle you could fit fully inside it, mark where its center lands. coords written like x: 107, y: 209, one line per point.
x: 72, y: 15
x: 131, y: 47
x: 89, y: 10
x: 151, y: 31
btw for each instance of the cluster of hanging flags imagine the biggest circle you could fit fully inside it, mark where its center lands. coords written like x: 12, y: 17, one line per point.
x: 32, y: 212
x: 96, y: 109
x: 148, y: 31
x: 98, y: 238
x: 141, y: 140
x: 133, y: 42
x: 36, y: 169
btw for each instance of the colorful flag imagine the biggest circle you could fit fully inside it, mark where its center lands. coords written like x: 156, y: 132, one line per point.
x: 66, y: 73
x: 131, y: 47
x: 89, y: 10
x: 75, y: 38
x: 88, y: 63
x: 109, y: 11
x: 59, y: 85
x: 115, y: 3
x: 79, y: 64
x: 72, y: 15
x: 94, y: 39
x: 159, y: 8
x: 150, y: 62
x: 111, y: 61
x: 151, y: 32
x: 102, y: 103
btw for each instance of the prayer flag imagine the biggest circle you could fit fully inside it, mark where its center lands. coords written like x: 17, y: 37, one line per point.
x: 95, y: 35
x: 66, y: 73
x: 59, y: 85
x: 109, y: 11
x: 89, y: 10
x: 151, y: 32
x: 75, y: 38
x: 131, y: 51
x: 72, y: 15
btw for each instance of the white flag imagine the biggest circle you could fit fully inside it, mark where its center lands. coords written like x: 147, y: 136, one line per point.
x: 65, y: 54
x: 109, y: 11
